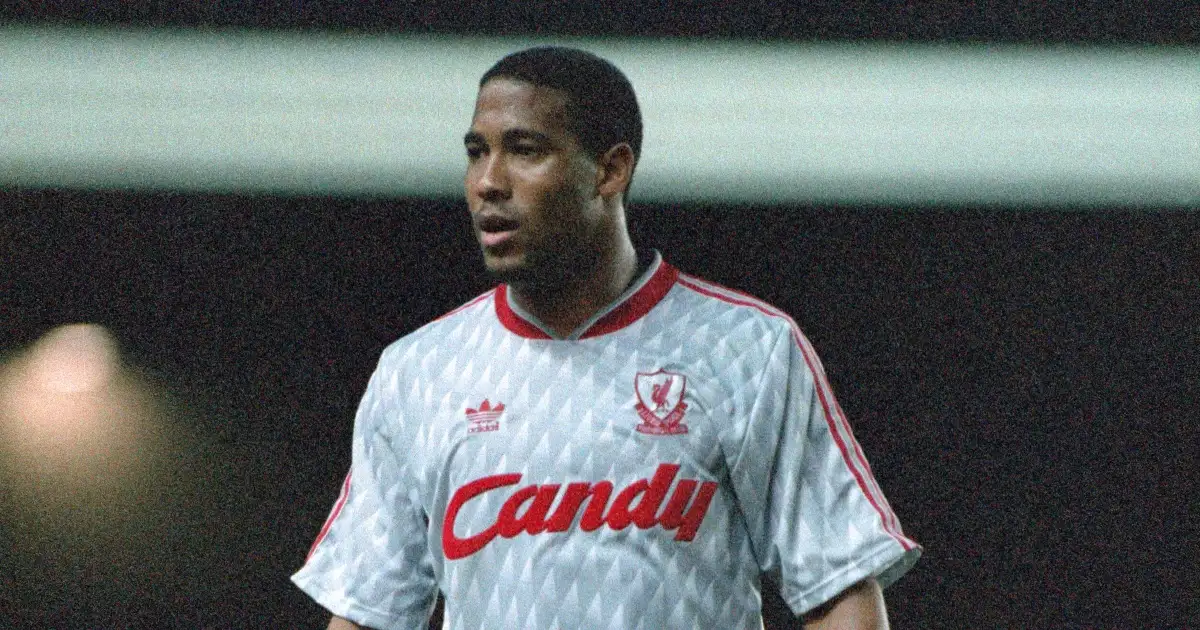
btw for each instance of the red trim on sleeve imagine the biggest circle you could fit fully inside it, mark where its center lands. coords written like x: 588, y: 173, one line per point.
x: 856, y: 461
x: 839, y: 427
x: 337, y: 509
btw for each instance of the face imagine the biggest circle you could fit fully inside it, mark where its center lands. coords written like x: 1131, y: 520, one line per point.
x: 531, y: 188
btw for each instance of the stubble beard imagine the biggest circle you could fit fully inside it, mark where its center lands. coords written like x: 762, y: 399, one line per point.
x: 539, y: 272
x: 550, y: 271
x: 555, y: 261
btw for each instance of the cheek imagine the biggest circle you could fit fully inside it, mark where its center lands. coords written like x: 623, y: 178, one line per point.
x: 565, y: 211
x: 546, y: 197
x: 557, y: 201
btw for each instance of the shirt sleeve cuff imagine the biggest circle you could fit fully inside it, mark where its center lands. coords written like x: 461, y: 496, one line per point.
x: 886, y: 564
x: 343, y: 606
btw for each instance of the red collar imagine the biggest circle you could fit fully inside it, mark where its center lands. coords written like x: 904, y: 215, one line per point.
x: 629, y: 310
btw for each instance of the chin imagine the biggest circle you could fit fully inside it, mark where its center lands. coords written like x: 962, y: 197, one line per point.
x: 524, y: 274
x: 506, y: 269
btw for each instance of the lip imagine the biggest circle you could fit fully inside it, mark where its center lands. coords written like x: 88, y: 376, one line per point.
x: 493, y: 239
x: 495, y: 229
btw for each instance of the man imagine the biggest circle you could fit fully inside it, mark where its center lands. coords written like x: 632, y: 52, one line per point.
x: 601, y: 441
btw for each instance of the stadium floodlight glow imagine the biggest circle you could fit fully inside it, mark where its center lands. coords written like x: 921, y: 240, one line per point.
x: 82, y: 435
x: 63, y: 403
x: 725, y: 121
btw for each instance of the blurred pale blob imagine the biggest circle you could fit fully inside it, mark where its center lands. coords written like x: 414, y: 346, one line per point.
x: 75, y: 358
x: 73, y: 419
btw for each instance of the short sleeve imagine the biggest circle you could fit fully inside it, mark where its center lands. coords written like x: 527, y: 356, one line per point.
x: 370, y: 563
x: 816, y: 516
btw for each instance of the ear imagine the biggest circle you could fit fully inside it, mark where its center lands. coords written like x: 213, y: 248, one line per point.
x: 615, y: 170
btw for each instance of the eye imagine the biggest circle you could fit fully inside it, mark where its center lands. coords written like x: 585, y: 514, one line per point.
x: 474, y: 151
x: 531, y: 148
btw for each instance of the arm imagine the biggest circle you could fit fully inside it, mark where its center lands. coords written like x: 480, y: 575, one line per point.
x: 859, y: 607
x: 337, y: 623
x: 370, y: 562
x: 818, y: 520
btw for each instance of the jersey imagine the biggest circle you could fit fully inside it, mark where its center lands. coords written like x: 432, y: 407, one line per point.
x: 642, y: 472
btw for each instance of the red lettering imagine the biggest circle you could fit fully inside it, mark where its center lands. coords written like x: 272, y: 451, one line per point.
x: 533, y: 521
x: 672, y: 515
x: 569, y: 506
x: 593, y: 516
x: 527, y: 508
x: 507, y: 524
x: 650, y: 494
x: 644, y: 513
x: 618, y: 516
x: 695, y: 514
x: 454, y: 547
x: 687, y: 522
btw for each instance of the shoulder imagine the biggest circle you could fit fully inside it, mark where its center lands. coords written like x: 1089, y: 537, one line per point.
x: 442, y: 331
x: 767, y: 330
x: 734, y: 309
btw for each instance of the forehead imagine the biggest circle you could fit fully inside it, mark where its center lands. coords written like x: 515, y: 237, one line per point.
x: 505, y: 103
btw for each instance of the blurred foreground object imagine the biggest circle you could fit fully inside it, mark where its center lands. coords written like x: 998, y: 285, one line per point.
x: 93, y: 504
x: 72, y: 417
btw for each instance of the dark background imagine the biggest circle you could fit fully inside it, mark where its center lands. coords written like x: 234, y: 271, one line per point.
x: 1145, y: 22
x: 1020, y: 378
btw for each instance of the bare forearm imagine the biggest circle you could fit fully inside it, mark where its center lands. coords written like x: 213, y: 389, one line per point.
x: 859, y: 607
x: 337, y: 623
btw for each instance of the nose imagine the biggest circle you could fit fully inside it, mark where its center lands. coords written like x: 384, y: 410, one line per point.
x: 488, y: 178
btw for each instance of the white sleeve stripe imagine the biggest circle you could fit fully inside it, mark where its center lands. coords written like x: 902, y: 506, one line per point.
x: 839, y: 427
x: 333, y: 514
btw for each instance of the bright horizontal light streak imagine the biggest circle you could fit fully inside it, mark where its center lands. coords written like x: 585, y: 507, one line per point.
x: 725, y: 121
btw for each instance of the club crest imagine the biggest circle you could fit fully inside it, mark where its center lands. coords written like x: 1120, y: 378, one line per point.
x: 660, y: 402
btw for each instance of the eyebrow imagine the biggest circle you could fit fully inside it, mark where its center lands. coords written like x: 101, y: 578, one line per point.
x: 513, y: 136
x: 510, y: 136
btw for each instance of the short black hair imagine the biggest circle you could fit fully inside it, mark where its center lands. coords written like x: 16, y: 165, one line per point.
x: 602, y: 109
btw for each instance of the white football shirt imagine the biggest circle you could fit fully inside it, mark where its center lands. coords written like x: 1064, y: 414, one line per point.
x: 640, y: 473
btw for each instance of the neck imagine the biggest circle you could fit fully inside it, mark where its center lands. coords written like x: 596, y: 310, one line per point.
x: 566, y: 306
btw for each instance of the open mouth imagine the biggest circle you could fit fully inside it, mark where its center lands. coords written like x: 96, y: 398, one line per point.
x: 495, y: 230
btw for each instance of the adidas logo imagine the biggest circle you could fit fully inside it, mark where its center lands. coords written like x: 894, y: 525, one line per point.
x: 485, y: 418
